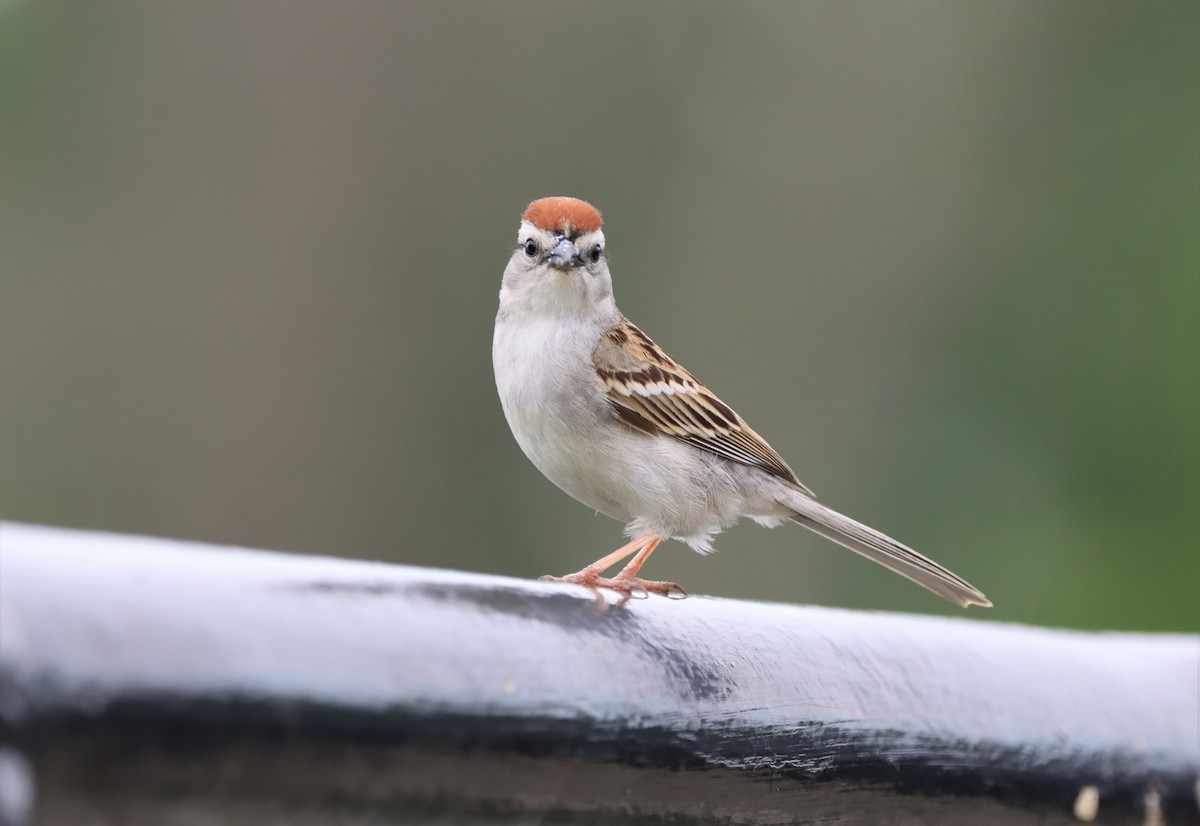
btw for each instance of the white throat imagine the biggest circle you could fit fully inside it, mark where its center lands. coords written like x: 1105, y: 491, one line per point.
x: 549, y: 293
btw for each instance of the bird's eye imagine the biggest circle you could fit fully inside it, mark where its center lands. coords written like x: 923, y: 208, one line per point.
x: 531, y: 248
x: 595, y: 253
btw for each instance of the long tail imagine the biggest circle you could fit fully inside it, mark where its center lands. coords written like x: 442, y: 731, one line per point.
x: 886, y: 551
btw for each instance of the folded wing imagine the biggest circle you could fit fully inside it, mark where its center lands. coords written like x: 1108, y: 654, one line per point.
x: 650, y: 391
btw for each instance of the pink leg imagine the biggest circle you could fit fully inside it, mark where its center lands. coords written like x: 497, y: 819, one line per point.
x: 589, y: 575
x: 627, y: 581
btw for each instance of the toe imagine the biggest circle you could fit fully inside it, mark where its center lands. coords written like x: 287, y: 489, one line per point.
x: 630, y: 587
x: 672, y: 590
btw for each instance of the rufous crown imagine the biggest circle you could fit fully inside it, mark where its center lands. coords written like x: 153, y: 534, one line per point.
x: 570, y: 216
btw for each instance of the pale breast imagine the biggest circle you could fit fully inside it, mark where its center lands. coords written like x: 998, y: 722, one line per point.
x: 553, y: 401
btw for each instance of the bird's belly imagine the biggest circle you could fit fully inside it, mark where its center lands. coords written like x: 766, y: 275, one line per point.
x: 590, y: 476
x: 653, y: 481
x: 578, y: 456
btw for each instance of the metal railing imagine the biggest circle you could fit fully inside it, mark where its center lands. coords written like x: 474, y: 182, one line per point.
x: 148, y: 681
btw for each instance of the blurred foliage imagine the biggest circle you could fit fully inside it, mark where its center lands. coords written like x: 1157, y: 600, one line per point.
x: 945, y: 256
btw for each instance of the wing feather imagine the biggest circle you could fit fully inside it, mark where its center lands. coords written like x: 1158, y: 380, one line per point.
x: 653, y: 393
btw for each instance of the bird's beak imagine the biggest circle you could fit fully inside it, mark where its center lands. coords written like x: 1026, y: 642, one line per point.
x: 564, y: 256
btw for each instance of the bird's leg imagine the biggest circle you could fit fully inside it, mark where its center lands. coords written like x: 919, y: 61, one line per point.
x: 628, y: 579
x: 590, y: 575
x: 626, y: 582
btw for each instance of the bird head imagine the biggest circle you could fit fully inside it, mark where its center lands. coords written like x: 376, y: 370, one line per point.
x: 558, y: 267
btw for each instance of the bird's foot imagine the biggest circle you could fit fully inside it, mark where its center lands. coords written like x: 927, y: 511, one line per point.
x: 633, y: 584
x: 628, y: 586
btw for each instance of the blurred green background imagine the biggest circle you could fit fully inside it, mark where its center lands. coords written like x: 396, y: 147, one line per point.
x: 944, y: 256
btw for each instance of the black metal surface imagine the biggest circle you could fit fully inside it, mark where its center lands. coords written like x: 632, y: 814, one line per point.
x: 149, y: 681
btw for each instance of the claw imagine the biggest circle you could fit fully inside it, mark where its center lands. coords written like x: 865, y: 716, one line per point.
x: 634, y: 589
x: 676, y: 591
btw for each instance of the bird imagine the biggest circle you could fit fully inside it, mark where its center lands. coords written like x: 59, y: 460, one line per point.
x: 611, y: 419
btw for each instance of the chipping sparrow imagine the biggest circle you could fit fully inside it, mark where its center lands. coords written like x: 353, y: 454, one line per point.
x: 614, y: 421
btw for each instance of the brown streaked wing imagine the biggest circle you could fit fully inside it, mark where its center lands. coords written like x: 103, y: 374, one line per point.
x: 653, y: 393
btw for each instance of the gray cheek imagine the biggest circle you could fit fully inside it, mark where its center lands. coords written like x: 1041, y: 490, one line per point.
x: 516, y: 271
x: 599, y: 282
x: 510, y: 273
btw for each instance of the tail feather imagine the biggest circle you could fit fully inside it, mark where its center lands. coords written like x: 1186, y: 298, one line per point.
x: 886, y: 551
